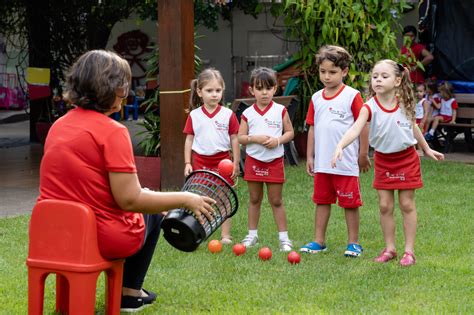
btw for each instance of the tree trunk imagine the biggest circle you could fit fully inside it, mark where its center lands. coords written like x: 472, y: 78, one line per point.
x: 39, y: 54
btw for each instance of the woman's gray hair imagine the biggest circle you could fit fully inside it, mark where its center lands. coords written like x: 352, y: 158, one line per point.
x: 92, y: 81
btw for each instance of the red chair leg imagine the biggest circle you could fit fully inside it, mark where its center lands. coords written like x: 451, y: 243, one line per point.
x: 62, y: 294
x: 113, y: 288
x: 82, y: 292
x: 36, y: 279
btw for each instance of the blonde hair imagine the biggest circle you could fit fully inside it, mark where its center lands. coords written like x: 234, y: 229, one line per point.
x: 204, y: 78
x: 92, y: 81
x: 404, y: 92
x: 446, y: 88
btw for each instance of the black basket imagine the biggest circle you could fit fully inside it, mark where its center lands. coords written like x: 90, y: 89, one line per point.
x: 180, y: 226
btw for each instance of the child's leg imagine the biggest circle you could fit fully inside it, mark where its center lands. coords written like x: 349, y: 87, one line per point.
x: 435, y: 124
x: 255, y: 202
x: 276, y: 202
x: 406, y: 199
x: 387, y: 221
x: 352, y: 222
x: 323, y: 212
x: 225, y: 230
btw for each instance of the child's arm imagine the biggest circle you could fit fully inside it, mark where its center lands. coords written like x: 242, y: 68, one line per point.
x: 435, y: 155
x: 364, y: 161
x: 244, y: 137
x: 310, y: 151
x: 234, y: 141
x: 435, y: 103
x: 350, y: 135
x: 455, y: 112
x: 286, y: 137
x: 426, y: 111
x: 188, y: 143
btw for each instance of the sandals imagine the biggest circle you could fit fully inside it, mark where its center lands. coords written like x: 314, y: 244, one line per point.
x: 408, y: 259
x: 385, y: 256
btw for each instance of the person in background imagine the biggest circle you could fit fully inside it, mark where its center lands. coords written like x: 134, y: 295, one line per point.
x: 415, y: 51
x: 447, y: 110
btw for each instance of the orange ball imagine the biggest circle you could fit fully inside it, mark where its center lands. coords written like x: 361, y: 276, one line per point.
x: 215, y: 246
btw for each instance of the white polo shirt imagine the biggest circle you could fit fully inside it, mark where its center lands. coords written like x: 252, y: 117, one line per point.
x: 390, y: 129
x: 211, y: 130
x: 268, y: 122
x: 332, y: 117
x: 447, y: 106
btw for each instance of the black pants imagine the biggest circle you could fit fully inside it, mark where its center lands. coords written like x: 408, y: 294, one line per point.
x: 136, y: 266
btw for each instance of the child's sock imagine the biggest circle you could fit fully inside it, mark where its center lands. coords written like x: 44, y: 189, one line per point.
x: 253, y: 233
x: 283, y: 236
x: 431, y: 132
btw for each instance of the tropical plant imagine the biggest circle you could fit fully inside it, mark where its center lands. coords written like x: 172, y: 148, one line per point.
x: 150, y: 144
x: 365, y: 28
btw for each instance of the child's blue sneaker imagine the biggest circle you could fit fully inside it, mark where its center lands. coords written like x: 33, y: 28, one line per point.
x: 313, y: 248
x: 353, y: 250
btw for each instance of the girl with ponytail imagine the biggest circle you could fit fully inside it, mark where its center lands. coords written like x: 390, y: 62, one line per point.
x: 393, y: 134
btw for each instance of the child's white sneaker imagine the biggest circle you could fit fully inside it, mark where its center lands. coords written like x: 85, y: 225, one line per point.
x: 286, y: 246
x: 250, y: 240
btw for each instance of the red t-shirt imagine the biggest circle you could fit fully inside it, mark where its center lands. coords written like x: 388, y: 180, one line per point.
x: 416, y: 75
x: 81, y: 149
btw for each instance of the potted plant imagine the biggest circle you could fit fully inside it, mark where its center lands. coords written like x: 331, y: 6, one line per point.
x: 149, y: 164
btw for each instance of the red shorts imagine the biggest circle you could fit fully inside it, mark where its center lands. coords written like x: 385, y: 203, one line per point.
x: 210, y: 163
x: 258, y: 171
x: 399, y: 170
x: 331, y: 187
x: 446, y: 118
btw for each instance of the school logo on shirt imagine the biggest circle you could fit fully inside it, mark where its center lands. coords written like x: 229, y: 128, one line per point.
x: 260, y: 171
x: 394, y: 176
x: 348, y: 195
x: 340, y: 113
x: 221, y: 126
x: 402, y: 124
x: 273, y: 123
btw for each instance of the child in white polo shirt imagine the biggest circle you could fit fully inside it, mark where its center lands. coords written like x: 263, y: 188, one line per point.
x: 264, y: 128
x: 393, y: 134
x: 331, y: 113
x: 211, y: 132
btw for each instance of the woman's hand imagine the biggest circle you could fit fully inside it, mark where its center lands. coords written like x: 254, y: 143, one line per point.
x: 200, y: 205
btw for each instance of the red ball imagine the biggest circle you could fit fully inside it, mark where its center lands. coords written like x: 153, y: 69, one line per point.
x: 225, y: 167
x: 294, y: 258
x: 265, y: 253
x: 215, y: 246
x: 238, y: 249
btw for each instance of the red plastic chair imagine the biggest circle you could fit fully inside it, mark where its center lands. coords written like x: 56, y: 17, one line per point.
x: 63, y: 240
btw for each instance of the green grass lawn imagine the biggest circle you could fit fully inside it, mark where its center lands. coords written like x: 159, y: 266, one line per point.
x: 200, y: 282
